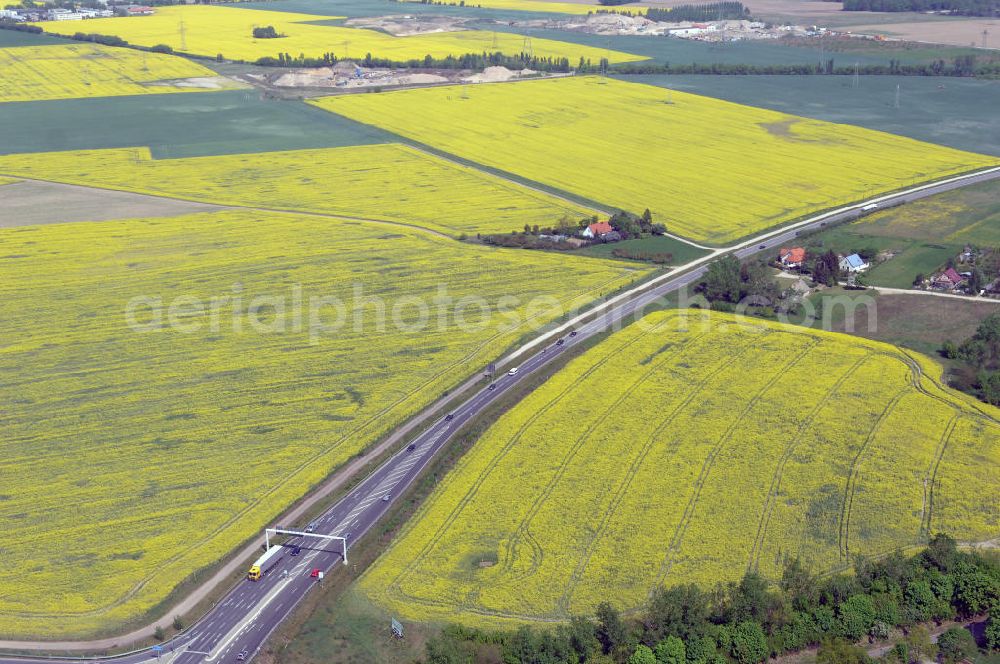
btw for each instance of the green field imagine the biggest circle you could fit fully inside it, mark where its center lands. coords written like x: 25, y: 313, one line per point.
x: 923, y: 235
x: 210, y: 123
x: 682, y: 252
x: 183, y: 440
x: 690, y: 448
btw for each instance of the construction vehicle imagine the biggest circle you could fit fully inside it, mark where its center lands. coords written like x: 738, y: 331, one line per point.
x: 265, y: 563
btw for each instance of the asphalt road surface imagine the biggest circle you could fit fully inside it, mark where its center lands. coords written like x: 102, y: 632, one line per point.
x: 242, y: 621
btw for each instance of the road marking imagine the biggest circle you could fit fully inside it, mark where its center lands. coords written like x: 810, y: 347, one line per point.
x: 240, y: 626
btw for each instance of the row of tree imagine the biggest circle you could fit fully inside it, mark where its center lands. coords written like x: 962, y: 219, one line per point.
x: 962, y: 7
x: 713, y: 11
x: 965, y: 65
x: 476, y: 61
x: 749, y: 621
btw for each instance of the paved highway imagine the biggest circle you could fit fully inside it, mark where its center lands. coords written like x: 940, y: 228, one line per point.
x: 242, y: 621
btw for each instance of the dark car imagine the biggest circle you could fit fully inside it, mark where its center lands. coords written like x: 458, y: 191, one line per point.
x: 449, y: 417
x: 763, y: 246
x: 493, y: 386
x: 411, y: 447
x: 560, y: 342
x: 297, y: 550
x: 241, y: 656
x: 573, y: 333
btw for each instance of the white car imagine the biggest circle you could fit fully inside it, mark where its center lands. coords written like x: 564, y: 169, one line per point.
x: 512, y: 372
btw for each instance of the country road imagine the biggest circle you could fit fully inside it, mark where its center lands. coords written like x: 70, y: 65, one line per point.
x: 249, y: 613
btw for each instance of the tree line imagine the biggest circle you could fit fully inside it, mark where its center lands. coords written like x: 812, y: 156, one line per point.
x: 749, y: 621
x: 713, y: 11
x: 964, y: 65
x: 961, y: 7
x: 467, y: 61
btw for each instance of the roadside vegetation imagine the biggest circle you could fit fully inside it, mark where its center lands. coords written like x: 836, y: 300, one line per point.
x: 768, y: 442
x: 749, y: 621
x: 708, y: 170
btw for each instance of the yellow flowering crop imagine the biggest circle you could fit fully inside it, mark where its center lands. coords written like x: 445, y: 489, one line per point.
x: 33, y: 73
x: 389, y: 182
x: 208, y: 30
x: 133, y: 458
x: 709, y: 169
x: 690, y: 448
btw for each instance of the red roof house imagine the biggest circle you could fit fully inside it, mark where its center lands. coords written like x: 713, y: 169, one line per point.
x: 597, y: 230
x: 792, y: 257
x: 948, y: 279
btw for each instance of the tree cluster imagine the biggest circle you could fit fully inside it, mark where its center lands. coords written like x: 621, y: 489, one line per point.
x: 266, y: 32
x: 728, y: 282
x: 962, y: 7
x: 981, y: 352
x: 713, y: 11
x: 749, y: 621
x: 632, y: 226
x: 615, y: 3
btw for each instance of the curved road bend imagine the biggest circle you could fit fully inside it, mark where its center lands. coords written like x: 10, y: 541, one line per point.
x: 243, y: 619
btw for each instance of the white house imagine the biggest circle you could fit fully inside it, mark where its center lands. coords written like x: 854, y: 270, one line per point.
x: 852, y: 264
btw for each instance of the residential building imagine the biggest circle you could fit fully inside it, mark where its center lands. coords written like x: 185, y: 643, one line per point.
x: 852, y: 264
x: 792, y: 257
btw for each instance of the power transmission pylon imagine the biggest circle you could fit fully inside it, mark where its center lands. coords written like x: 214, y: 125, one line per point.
x: 857, y: 76
x: 496, y: 43
x: 183, y: 33
x: 896, y: 105
x: 526, y: 47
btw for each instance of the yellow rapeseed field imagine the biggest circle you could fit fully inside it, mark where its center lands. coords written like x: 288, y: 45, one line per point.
x: 710, y: 169
x: 32, y: 73
x: 132, y: 458
x: 691, y: 448
x: 210, y: 30
x: 389, y: 182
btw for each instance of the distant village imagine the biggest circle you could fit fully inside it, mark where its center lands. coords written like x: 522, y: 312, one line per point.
x: 973, y: 272
x: 96, y: 9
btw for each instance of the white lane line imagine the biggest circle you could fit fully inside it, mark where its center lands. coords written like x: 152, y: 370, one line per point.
x: 240, y: 626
